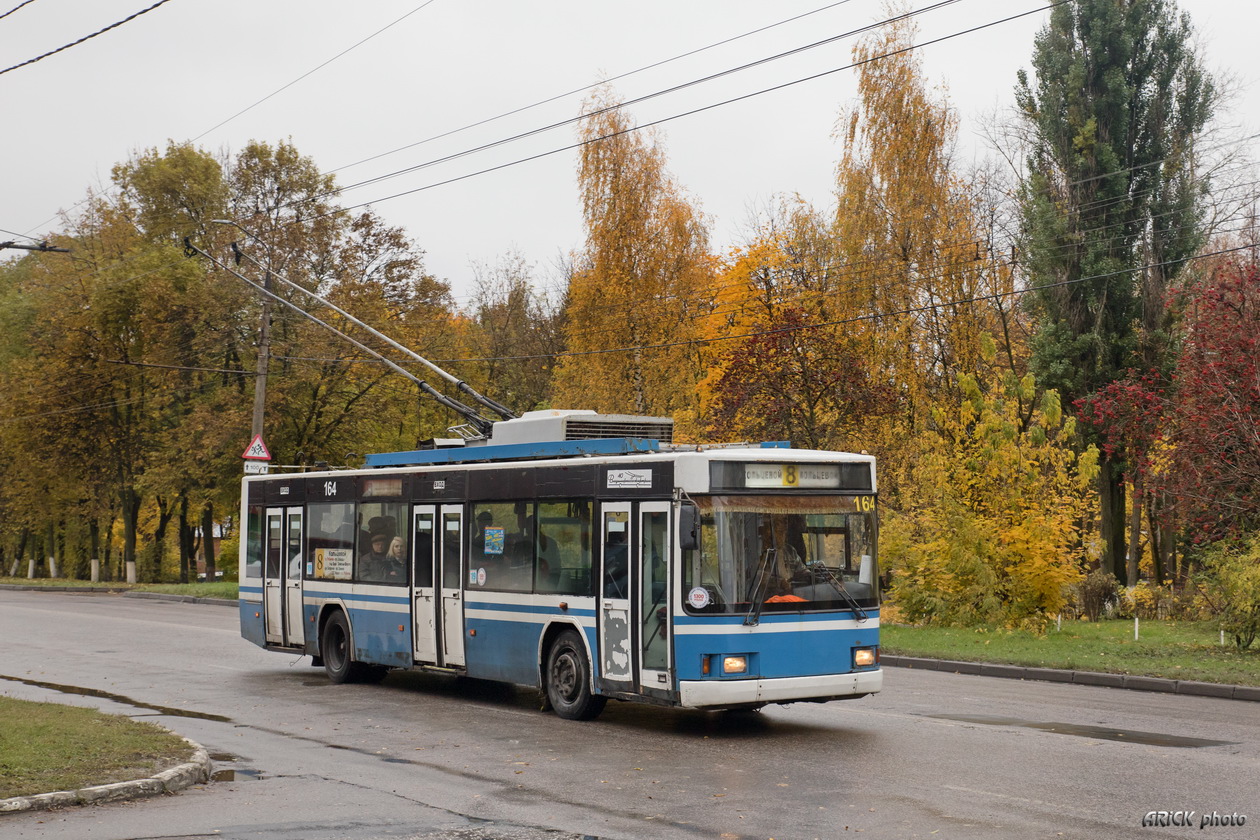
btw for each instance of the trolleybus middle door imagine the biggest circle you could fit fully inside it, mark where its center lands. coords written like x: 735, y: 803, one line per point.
x: 423, y: 592
x: 652, y: 606
x: 452, y: 609
x: 616, y: 659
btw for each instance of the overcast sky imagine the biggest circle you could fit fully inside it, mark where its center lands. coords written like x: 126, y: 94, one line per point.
x: 189, y: 68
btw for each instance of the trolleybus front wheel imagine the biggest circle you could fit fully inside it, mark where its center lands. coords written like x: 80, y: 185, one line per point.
x: 569, y: 680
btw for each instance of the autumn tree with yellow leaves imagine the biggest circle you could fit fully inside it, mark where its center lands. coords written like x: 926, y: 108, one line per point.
x: 992, y: 533
x: 639, y: 282
x: 788, y: 362
x: 918, y: 261
x: 847, y: 329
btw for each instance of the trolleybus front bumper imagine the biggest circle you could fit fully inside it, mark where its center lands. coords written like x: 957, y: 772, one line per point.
x: 720, y: 694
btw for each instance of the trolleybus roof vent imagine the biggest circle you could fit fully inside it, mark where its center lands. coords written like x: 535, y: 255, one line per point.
x: 554, y: 425
x: 655, y: 428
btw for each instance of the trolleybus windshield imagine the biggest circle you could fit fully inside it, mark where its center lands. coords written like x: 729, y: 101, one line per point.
x: 782, y: 554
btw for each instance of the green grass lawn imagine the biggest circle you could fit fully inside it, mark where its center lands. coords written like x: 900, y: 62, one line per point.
x: 46, y: 747
x: 1171, y: 649
x: 216, y: 589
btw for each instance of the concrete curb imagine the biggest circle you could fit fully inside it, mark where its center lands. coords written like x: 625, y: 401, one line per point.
x: 194, y: 772
x: 184, y: 599
x: 1019, y: 672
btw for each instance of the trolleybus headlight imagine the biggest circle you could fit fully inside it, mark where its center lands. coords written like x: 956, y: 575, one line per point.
x: 734, y: 665
x: 864, y: 657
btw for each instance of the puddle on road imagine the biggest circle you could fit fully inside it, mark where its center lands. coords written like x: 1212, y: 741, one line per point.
x: 1131, y: 736
x: 239, y: 775
x: 117, y: 698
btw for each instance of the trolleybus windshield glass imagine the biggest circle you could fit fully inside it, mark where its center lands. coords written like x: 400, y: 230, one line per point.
x: 787, y: 553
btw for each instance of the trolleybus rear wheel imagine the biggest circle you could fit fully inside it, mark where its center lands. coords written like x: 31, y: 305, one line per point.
x: 569, y: 680
x: 336, y: 651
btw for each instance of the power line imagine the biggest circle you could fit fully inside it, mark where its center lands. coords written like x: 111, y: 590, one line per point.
x: 313, y: 70
x: 640, y: 99
x: 234, y: 371
x: 615, y: 78
x: 115, y: 25
x: 692, y: 112
x: 15, y: 8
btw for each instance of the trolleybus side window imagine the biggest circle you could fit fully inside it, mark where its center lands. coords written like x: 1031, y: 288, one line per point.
x: 564, y: 547
x: 382, y: 548
x: 330, y: 540
x: 528, y: 547
x: 502, y: 555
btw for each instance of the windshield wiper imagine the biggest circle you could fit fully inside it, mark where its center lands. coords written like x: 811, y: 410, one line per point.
x: 754, y: 608
x: 838, y: 583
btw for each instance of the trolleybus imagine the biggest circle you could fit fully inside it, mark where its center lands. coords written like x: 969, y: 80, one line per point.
x: 584, y: 555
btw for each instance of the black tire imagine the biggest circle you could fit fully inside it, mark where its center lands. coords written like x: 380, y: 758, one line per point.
x: 337, y: 653
x: 569, y: 680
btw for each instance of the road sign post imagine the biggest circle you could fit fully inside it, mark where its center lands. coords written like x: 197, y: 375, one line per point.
x: 257, y: 457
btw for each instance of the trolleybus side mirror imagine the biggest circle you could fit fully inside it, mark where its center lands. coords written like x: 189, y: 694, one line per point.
x: 688, y: 527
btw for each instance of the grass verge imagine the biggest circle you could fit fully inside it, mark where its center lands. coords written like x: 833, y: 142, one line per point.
x: 1171, y: 649
x: 46, y: 747
x: 215, y: 589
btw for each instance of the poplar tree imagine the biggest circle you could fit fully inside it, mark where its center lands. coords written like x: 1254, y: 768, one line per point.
x: 641, y: 280
x: 1112, y: 199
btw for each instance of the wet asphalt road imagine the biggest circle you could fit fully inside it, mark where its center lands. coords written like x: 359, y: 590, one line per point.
x: 935, y: 755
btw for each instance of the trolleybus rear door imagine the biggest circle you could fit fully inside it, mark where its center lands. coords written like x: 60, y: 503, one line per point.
x: 294, y: 630
x: 423, y: 588
x: 653, y: 595
x: 616, y: 660
x: 273, y: 577
x: 282, y: 577
x: 452, y: 609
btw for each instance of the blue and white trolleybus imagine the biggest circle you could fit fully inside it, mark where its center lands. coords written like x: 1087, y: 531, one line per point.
x: 584, y: 555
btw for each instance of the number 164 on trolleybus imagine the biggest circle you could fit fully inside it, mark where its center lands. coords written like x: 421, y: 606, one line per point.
x: 584, y: 555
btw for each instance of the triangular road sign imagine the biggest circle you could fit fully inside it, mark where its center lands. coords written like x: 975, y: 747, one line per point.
x: 257, y: 450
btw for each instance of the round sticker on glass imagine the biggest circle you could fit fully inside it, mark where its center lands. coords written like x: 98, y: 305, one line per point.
x: 481, y: 577
x: 698, y: 598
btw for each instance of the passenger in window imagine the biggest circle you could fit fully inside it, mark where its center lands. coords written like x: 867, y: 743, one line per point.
x: 395, y: 564
x: 375, y: 564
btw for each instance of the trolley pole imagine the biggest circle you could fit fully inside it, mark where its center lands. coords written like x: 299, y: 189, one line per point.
x: 264, y: 360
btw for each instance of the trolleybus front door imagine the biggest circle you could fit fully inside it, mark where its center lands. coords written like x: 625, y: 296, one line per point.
x: 282, y: 577
x: 424, y: 590
x: 452, y: 576
x: 653, y: 595
x: 616, y: 651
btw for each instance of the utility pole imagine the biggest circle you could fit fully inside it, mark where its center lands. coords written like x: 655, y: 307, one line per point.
x: 264, y: 337
x: 264, y: 360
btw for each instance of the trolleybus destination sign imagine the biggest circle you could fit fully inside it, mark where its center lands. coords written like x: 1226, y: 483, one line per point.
x: 792, y: 475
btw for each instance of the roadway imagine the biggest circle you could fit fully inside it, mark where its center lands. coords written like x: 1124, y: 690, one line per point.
x: 935, y: 755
